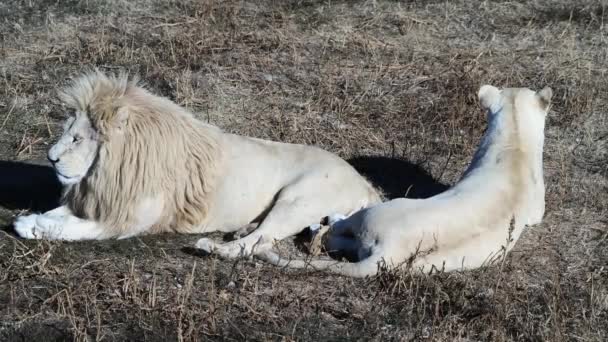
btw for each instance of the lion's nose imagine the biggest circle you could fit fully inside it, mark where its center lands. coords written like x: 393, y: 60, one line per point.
x: 51, y: 159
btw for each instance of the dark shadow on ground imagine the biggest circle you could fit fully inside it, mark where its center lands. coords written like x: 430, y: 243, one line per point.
x: 28, y: 186
x: 39, y: 331
x: 396, y: 177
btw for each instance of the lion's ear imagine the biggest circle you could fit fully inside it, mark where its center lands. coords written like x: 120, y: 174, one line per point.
x: 545, y: 97
x: 121, y: 117
x: 489, y: 96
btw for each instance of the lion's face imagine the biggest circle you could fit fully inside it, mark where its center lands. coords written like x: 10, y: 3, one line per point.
x: 75, y: 152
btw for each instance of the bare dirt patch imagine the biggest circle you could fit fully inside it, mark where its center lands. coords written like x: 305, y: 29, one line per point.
x: 390, y: 86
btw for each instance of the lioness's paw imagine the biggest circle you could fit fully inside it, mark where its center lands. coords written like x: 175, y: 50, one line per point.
x: 335, y: 218
x: 25, y: 226
x: 206, y: 245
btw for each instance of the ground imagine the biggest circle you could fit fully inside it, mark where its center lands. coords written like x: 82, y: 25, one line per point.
x: 390, y: 86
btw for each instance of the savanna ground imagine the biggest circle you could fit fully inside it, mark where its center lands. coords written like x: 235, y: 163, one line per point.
x: 392, y: 80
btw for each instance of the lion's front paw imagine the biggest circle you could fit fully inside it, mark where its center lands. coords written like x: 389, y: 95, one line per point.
x: 38, y: 226
x: 25, y: 226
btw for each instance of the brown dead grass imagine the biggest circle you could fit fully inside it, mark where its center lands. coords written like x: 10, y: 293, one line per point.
x: 395, y: 79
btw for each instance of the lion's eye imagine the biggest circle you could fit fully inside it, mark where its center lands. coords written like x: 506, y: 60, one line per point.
x: 76, y: 139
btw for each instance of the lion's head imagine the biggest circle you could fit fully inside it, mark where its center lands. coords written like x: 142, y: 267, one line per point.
x: 123, y: 144
x: 74, y: 153
x: 97, y: 116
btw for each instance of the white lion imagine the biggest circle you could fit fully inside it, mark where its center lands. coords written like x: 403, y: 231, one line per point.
x: 475, y: 222
x: 135, y: 163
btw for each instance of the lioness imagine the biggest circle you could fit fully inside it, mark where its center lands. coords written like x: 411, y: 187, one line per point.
x: 134, y: 163
x: 477, y: 221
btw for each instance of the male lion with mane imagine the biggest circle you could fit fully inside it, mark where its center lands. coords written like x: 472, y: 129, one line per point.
x: 475, y: 222
x: 134, y: 163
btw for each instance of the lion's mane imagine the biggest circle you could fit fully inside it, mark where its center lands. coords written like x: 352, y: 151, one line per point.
x: 149, y: 146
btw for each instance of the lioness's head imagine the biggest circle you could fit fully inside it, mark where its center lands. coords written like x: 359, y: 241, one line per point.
x: 94, y: 101
x: 520, y: 110
x: 516, y: 99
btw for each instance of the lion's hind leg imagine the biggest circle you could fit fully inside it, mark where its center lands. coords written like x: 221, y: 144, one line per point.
x: 297, y: 206
x: 246, y: 230
x: 288, y: 217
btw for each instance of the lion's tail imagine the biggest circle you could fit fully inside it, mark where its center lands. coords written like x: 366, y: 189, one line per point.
x: 363, y: 268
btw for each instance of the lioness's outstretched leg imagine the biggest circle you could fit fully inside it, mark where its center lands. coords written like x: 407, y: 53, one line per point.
x: 57, y: 224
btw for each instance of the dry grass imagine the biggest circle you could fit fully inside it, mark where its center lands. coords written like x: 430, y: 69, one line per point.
x: 372, y: 78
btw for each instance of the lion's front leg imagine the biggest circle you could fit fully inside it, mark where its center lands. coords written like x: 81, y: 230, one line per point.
x: 57, y: 224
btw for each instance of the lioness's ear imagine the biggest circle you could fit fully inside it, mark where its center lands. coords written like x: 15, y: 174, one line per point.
x: 545, y: 97
x: 488, y: 96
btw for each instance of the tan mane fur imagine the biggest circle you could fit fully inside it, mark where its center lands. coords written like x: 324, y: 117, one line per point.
x: 149, y: 147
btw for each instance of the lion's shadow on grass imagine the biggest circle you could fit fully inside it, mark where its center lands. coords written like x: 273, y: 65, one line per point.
x: 397, y: 177
x: 35, y: 187
x: 28, y: 186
